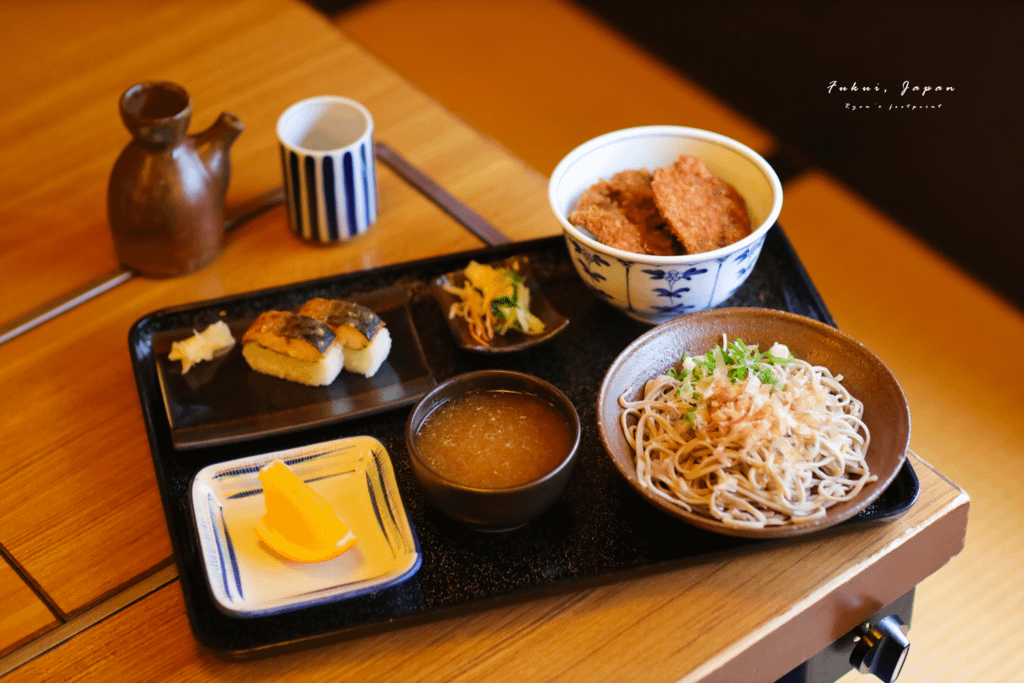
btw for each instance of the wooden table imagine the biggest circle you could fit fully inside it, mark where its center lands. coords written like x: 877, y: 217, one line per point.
x: 88, y: 583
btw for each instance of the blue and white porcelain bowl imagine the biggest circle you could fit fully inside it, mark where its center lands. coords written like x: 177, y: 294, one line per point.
x: 658, y: 288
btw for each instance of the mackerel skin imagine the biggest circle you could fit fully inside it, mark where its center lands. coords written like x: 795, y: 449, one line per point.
x: 297, y: 336
x: 354, y: 325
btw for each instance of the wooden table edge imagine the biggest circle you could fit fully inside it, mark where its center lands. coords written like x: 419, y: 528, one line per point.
x: 839, y: 604
x: 829, y: 612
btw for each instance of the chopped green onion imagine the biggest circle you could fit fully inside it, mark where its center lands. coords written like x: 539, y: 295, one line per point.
x: 738, y: 360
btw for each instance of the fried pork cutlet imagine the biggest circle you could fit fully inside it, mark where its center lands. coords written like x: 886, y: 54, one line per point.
x: 702, y: 211
x: 622, y: 214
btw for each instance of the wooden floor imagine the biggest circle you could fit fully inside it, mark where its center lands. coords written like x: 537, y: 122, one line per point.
x: 538, y: 76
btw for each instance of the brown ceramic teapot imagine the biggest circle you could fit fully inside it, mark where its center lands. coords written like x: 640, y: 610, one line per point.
x: 165, y: 200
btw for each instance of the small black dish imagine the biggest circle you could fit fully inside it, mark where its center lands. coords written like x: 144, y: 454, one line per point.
x: 554, y: 322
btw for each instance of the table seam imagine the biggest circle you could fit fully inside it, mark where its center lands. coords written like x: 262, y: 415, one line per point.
x: 79, y: 623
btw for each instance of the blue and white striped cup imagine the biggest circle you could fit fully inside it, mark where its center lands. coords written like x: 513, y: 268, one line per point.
x: 328, y: 163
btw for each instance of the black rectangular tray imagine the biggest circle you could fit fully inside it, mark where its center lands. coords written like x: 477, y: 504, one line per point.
x: 599, y: 532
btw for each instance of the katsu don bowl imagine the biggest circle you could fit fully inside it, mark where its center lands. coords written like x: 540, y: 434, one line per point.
x: 695, y: 274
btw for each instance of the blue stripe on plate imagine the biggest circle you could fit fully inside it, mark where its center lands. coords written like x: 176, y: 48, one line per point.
x: 330, y: 200
x: 216, y: 544
x: 231, y: 554
x: 296, y: 192
x: 350, y: 194
x: 376, y: 512
x: 248, y: 469
x: 388, y: 504
x: 314, y: 224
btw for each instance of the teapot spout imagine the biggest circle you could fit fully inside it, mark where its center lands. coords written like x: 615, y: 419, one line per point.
x: 213, y: 146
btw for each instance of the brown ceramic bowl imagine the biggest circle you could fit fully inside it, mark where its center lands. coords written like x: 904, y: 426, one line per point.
x: 885, y: 408
x: 499, y: 509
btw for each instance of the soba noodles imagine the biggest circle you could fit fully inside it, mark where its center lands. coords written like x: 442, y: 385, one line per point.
x: 749, y: 438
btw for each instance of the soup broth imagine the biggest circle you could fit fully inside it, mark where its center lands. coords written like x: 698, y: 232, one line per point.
x: 494, y: 439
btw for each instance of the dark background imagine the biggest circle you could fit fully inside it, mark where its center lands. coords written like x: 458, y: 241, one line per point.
x: 950, y: 174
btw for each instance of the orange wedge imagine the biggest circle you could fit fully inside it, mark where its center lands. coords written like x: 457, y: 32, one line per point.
x: 299, y: 524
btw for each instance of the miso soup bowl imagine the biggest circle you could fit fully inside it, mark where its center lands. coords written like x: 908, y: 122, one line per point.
x: 655, y: 289
x: 492, y: 509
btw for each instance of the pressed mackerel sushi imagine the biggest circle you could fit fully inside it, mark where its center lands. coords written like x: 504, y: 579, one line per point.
x: 367, y: 360
x: 365, y: 340
x: 293, y: 347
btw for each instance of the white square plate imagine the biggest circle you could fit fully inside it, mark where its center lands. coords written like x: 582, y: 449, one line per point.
x: 355, y: 476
